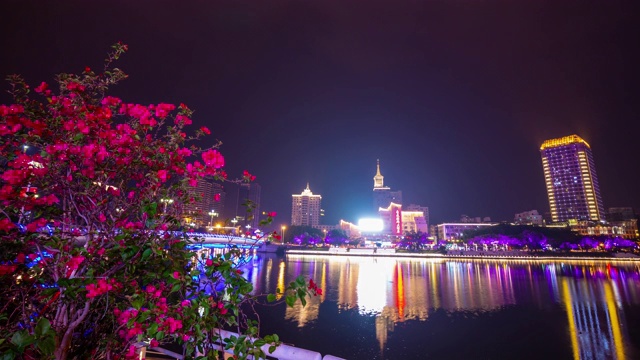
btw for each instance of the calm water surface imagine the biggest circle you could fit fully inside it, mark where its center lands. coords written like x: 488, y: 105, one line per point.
x: 381, y: 308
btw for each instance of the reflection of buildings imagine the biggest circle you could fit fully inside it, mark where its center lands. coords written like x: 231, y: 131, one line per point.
x: 382, y: 195
x: 595, y: 334
x: 570, y: 177
x: 404, y: 290
x: 305, y: 208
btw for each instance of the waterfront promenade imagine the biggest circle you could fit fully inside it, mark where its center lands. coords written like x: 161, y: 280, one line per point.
x: 468, y: 254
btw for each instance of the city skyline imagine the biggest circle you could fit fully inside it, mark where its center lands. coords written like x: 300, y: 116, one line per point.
x: 455, y: 99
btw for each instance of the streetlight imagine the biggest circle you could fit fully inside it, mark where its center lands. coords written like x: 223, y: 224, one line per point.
x: 283, y: 229
x: 166, y: 202
x: 212, y: 213
x: 235, y: 229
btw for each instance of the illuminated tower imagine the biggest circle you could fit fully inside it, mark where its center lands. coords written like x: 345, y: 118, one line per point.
x: 570, y: 177
x: 305, y: 208
x: 382, y: 195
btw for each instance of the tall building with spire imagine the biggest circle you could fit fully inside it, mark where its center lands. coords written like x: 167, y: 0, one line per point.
x: 305, y: 208
x: 382, y: 195
x: 571, y: 181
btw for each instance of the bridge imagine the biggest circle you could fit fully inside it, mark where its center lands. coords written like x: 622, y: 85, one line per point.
x: 207, y: 240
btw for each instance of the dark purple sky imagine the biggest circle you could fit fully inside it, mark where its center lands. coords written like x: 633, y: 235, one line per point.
x: 454, y: 97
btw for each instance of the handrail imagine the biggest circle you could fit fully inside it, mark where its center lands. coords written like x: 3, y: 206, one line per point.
x: 282, y: 352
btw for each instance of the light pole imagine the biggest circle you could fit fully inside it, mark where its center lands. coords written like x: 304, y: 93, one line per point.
x: 166, y: 202
x: 235, y: 229
x: 212, y: 213
x: 283, y: 229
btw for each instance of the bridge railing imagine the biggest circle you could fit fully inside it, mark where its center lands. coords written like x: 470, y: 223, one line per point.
x: 282, y: 352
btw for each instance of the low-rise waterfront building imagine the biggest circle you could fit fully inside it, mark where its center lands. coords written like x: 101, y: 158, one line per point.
x: 455, y: 231
x: 528, y: 218
x: 352, y: 230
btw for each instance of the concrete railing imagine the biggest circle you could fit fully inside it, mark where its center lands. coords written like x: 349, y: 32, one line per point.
x: 282, y: 352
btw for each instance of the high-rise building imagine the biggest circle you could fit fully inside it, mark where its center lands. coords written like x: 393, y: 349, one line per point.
x: 250, y: 194
x: 305, y: 208
x: 382, y: 195
x: 196, y: 213
x: 570, y: 177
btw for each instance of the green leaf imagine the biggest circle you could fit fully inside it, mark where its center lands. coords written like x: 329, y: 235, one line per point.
x: 259, y: 343
x: 137, y: 303
x: 146, y: 253
x: 272, y: 348
x: 42, y: 327
x: 152, y: 328
x: 22, y: 339
x: 271, y: 298
x: 290, y: 300
x: 47, y: 345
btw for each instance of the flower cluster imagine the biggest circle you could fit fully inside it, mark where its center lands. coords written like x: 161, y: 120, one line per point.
x: 314, y: 288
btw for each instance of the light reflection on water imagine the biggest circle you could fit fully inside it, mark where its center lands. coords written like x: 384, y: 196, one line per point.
x: 399, y: 290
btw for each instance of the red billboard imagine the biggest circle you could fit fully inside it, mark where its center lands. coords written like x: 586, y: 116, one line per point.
x: 396, y: 219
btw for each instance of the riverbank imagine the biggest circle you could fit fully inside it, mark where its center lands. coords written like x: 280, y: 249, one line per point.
x: 509, y: 255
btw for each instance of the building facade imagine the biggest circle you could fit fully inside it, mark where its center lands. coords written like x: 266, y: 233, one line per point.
x: 423, y: 209
x: 627, y: 229
x: 250, y: 194
x: 391, y: 217
x: 528, y: 218
x: 305, y: 208
x: 382, y: 195
x: 571, y: 180
x: 455, y: 231
x: 204, y: 194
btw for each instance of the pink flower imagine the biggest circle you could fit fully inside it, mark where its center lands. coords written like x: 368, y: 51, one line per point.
x: 216, y: 197
x: 272, y: 214
x: 205, y: 130
x: 213, y: 158
x: 209, y: 262
x: 154, y: 343
x: 181, y: 119
x: 176, y: 275
x: 41, y: 88
x: 6, y: 225
x: 162, y: 110
x: 185, y: 337
x: 100, y: 252
x: 185, y: 303
x: 162, y: 175
x: 102, y: 218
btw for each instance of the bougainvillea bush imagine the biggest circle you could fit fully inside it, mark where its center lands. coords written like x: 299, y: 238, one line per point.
x: 91, y: 263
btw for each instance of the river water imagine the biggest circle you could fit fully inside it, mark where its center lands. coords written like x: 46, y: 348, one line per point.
x: 384, y: 308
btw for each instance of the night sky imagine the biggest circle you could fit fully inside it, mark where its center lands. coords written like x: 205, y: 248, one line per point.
x: 454, y: 97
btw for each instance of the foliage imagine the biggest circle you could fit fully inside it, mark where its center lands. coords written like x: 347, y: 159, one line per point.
x: 336, y: 237
x: 414, y: 240
x: 91, y: 259
x: 303, y: 235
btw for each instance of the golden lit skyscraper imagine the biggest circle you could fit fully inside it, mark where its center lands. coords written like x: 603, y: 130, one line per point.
x: 570, y: 177
x: 305, y: 208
